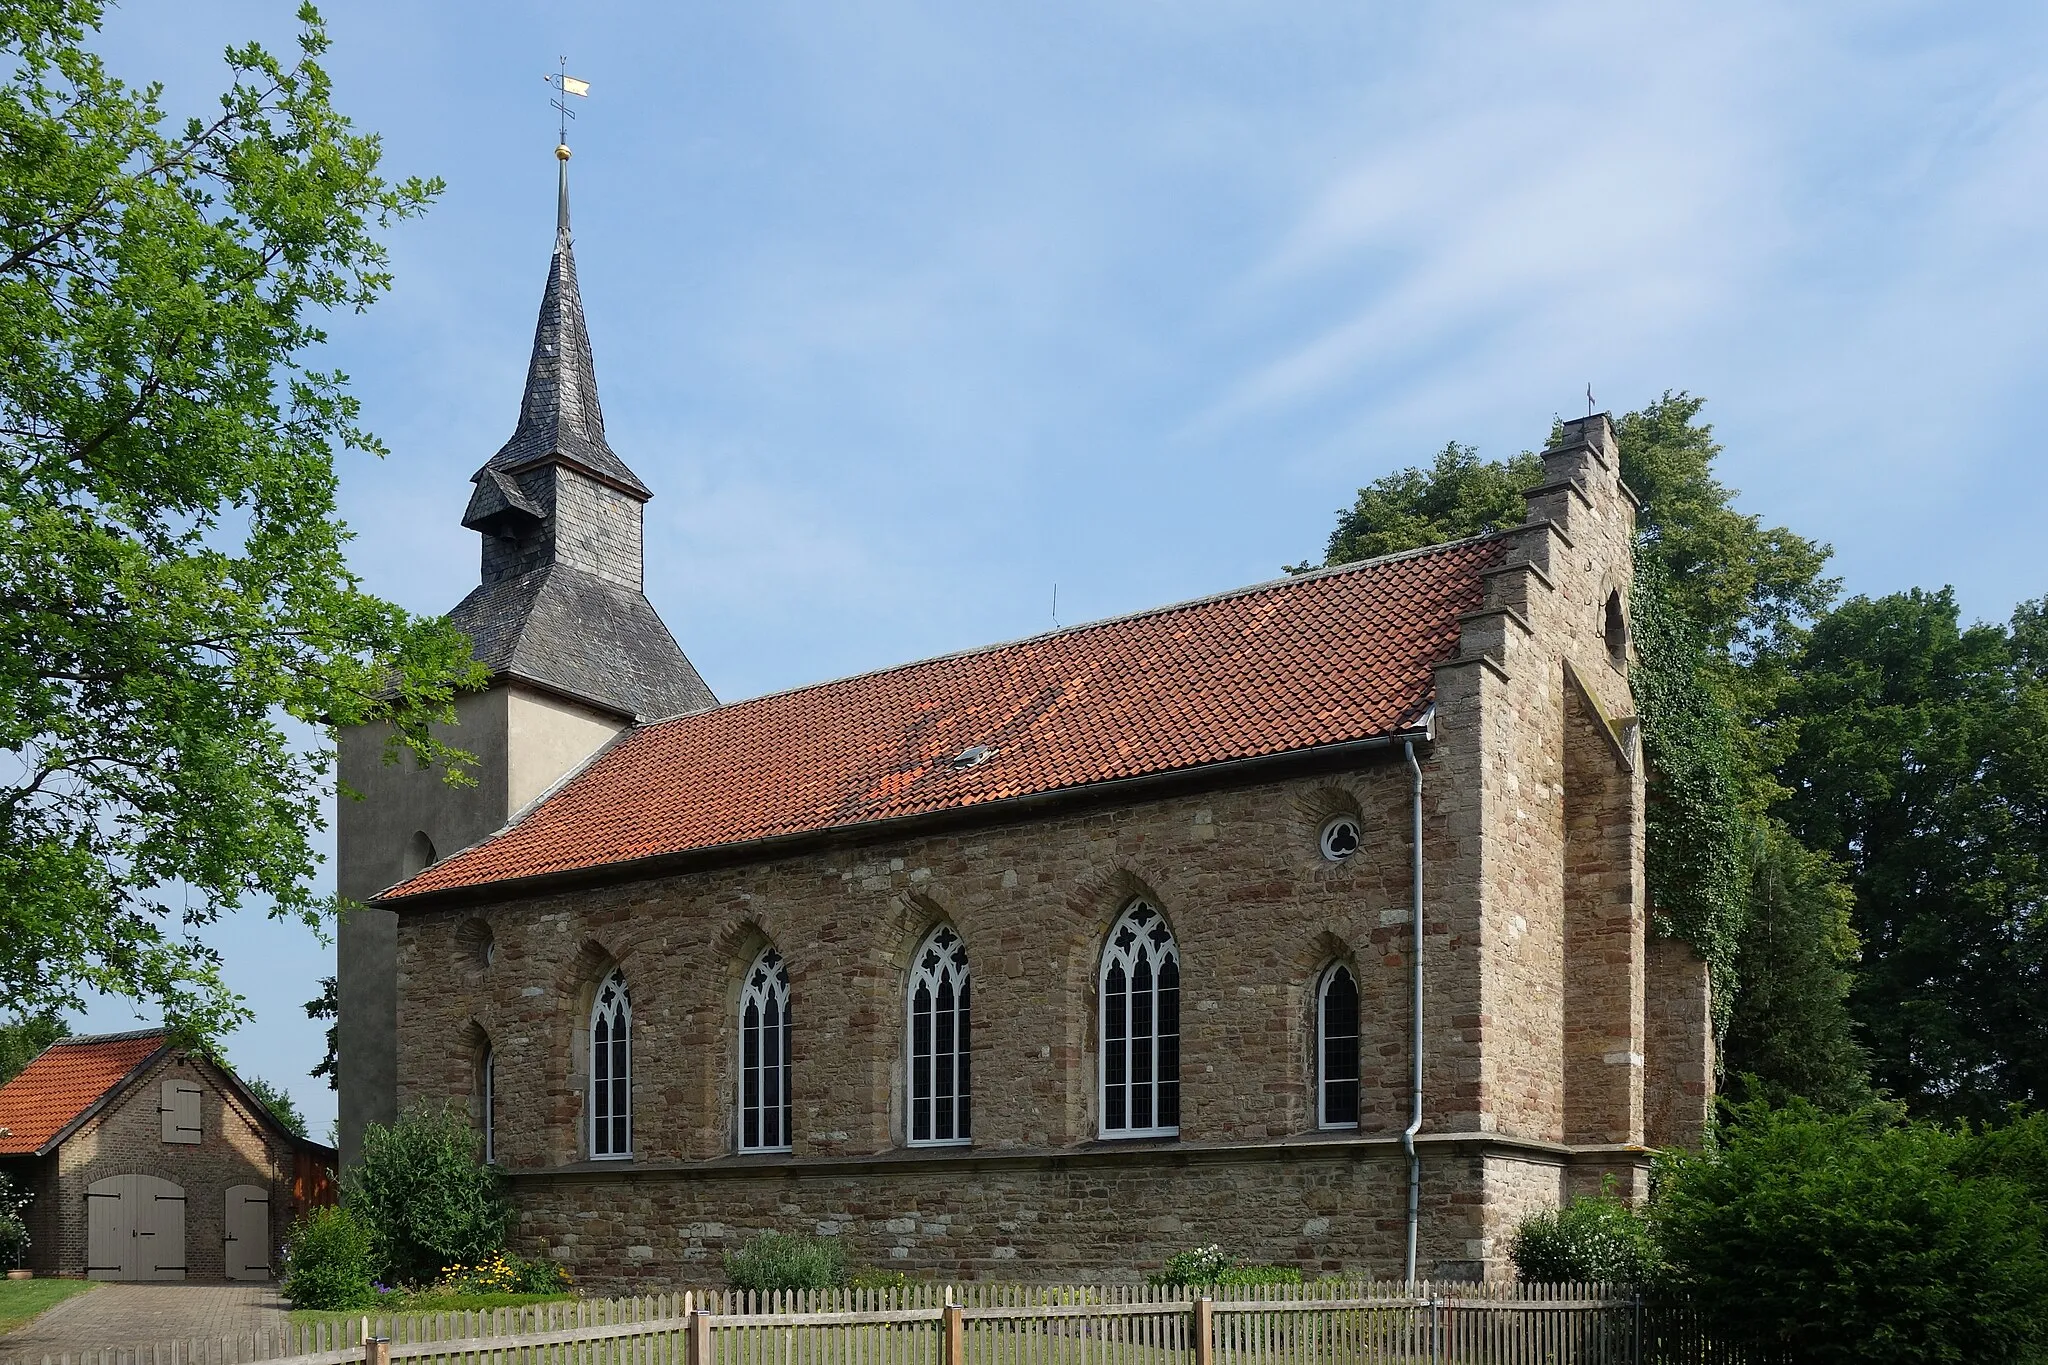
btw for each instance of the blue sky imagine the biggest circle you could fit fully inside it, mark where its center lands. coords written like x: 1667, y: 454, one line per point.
x: 909, y: 312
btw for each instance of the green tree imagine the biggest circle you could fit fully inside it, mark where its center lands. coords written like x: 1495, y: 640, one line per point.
x: 1920, y: 761
x: 22, y: 1039
x: 173, y: 588
x: 327, y: 1005
x: 281, y: 1105
x: 1459, y: 495
x: 1793, y: 1035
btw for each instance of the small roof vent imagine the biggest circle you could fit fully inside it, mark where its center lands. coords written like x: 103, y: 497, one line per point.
x: 971, y: 757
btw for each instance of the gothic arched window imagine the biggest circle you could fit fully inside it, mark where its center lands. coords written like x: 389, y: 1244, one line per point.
x: 1337, y: 1049
x: 611, y: 1069
x: 1140, y: 993
x: 765, y: 1097
x: 487, y: 1101
x: 938, y: 1088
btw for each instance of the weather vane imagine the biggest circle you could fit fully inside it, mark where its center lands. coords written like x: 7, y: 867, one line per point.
x: 565, y: 85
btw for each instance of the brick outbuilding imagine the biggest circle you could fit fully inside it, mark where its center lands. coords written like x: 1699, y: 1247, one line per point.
x: 147, y: 1162
x: 1044, y: 960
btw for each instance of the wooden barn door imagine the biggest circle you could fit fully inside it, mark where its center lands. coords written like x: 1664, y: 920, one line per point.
x: 134, y: 1229
x: 248, y: 1232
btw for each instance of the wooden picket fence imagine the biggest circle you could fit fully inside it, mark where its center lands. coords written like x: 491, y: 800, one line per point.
x: 996, y: 1324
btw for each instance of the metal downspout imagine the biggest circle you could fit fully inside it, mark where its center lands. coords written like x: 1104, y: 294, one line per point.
x: 1415, y: 1043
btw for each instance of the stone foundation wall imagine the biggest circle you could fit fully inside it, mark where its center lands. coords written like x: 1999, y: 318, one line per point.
x: 1095, y: 1217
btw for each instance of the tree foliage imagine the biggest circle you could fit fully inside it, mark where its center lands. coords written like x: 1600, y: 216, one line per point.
x: 1459, y: 495
x: 23, y: 1038
x: 1815, y: 1237
x: 1920, y: 760
x: 281, y: 1105
x: 173, y: 588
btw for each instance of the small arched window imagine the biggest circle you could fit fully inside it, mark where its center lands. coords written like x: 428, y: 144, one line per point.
x: 419, y: 853
x: 1337, y: 1049
x: 611, y: 1070
x: 766, y: 1107
x: 1614, y: 627
x: 1140, y: 995
x: 938, y: 1087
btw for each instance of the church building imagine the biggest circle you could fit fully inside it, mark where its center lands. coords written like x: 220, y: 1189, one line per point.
x: 1040, y: 961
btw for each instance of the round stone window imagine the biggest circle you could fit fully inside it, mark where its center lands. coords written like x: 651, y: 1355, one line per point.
x: 1340, y: 838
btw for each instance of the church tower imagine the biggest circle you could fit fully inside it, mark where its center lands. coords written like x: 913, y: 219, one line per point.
x: 576, y: 655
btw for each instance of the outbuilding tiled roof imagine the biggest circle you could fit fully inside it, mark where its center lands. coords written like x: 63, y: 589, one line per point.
x: 1341, y: 655
x: 68, y: 1078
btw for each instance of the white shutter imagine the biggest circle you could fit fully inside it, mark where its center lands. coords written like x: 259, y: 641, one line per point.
x: 179, y: 1109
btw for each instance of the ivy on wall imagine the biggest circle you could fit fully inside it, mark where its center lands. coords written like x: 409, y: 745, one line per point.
x: 1695, y: 862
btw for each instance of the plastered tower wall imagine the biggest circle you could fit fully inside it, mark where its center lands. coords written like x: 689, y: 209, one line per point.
x: 522, y: 741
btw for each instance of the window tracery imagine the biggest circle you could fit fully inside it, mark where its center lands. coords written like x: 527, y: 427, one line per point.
x: 1139, y: 992
x: 611, y: 1070
x: 765, y: 1098
x: 938, y: 1084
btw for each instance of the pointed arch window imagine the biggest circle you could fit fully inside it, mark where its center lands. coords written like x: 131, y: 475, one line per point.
x: 487, y: 1101
x: 611, y: 1070
x: 1337, y: 1049
x: 1140, y: 1001
x: 938, y: 1088
x: 765, y: 1098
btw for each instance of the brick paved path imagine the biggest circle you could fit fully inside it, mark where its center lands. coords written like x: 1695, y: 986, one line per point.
x: 141, y: 1314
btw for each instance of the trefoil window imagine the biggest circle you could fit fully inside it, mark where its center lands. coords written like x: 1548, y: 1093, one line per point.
x: 938, y: 1086
x: 766, y: 1107
x: 1140, y: 997
x: 611, y: 1070
x: 1337, y: 1049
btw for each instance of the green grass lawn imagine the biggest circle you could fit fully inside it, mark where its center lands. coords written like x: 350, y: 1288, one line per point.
x: 21, y: 1300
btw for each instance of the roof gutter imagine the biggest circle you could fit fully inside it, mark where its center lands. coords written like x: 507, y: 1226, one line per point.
x: 748, y: 850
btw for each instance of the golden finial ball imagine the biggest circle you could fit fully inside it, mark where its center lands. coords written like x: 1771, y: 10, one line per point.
x: 562, y: 151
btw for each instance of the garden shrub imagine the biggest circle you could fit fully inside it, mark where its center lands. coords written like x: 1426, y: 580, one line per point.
x: 13, y: 1226
x: 784, y: 1261
x: 330, y: 1261
x: 1593, y: 1239
x: 1213, y: 1265
x: 424, y: 1192
x: 1828, y: 1238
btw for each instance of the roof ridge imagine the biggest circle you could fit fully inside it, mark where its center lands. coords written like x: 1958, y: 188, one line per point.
x: 1186, y: 604
x: 74, y: 1039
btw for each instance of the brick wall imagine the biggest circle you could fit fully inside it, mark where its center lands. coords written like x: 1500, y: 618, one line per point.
x: 236, y: 1148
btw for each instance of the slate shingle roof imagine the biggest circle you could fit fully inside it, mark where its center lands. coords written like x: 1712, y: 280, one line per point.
x: 559, y: 416
x: 1297, y: 664
x: 583, y: 635
x: 64, y: 1081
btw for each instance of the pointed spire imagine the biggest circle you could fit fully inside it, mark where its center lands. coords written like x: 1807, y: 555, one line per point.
x: 559, y: 415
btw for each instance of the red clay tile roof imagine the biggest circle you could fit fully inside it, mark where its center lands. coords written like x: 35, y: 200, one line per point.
x: 63, y: 1082
x: 1296, y: 664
